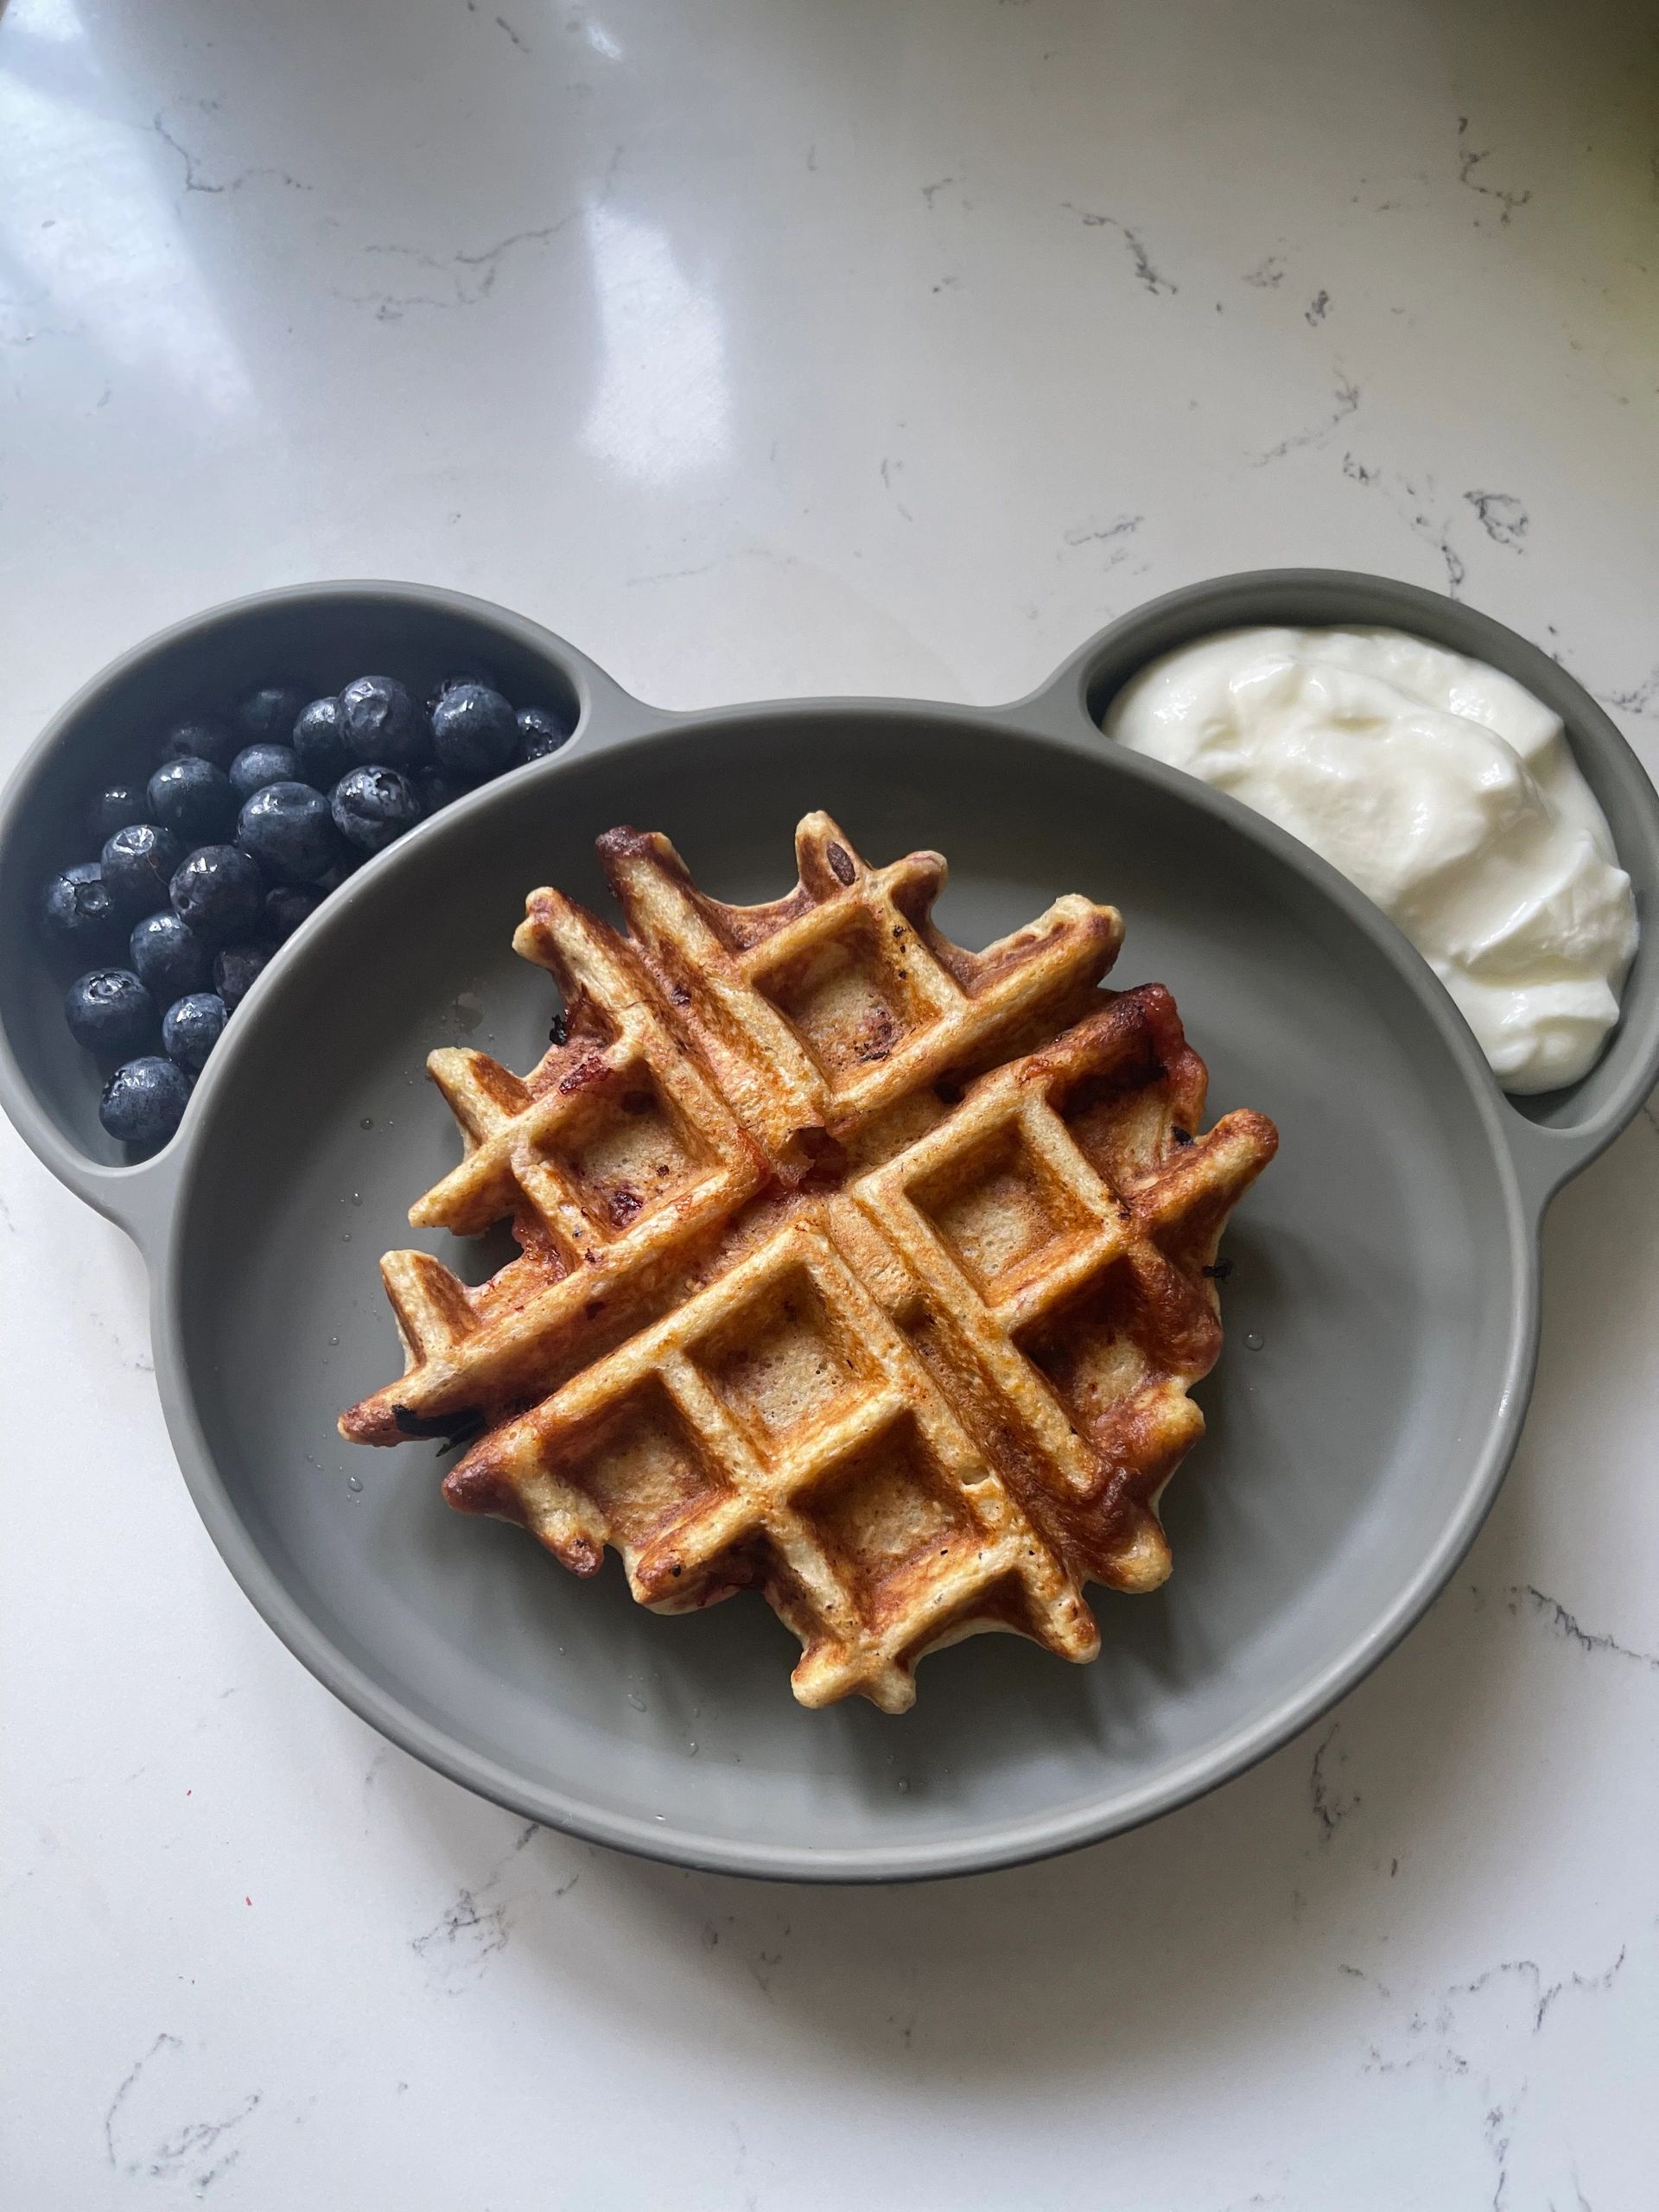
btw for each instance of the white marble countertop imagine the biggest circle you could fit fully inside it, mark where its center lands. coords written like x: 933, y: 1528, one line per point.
x: 771, y: 349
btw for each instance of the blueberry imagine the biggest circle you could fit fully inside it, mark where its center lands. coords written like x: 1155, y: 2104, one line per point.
x: 373, y: 805
x: 540, y: 733
x: 256, y: 766
x: 114, y: 808
x: 473, y: 730
x: 452, y: 682
x: 267, y: 715
x: 235, y: 970
x: 191, y: 1026
x: 288, y: 906
x: 110, y: 1012
x: 144, y: 1101
x: 380, y: 724
x: 319, y: 743
x: 78, y: 910
x: 191, y: 797
x: 170, y: 962
x: 139, y: 863
x: 433, y: 789
x: 200, y: 737
x: 219, y: 893
x: 288, y: 829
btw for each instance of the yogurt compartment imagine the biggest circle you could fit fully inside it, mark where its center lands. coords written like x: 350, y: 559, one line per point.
x: 1441, y: 787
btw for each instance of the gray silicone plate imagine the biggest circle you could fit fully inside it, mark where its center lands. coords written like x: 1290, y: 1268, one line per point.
x: 1387, y: 1263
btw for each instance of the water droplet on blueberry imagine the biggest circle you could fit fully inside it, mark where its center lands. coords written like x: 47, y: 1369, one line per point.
x: 218, y: 892
x: 110, y: 1012
x: 540, y: 732
x: 373, y: 806
x: 380, y: 724
x: 170, y: 960
x: 143, y: 1101
x: 474, y: 732
x: 191, y: 1027
x: 289, y: 830
x: 193, y: 799
x: 256, y: 766
x: 319, y: 741
x: 139, y: 863
x: 78, y: 911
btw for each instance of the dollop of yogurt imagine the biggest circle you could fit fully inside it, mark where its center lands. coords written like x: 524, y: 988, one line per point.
x: 1443, y: 790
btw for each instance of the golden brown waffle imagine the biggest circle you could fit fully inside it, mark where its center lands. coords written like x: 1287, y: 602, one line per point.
x: 807, y: 1304
x: 714, y: 1054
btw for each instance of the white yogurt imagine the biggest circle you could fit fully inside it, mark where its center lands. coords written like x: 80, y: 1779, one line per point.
x: 1441, y: 787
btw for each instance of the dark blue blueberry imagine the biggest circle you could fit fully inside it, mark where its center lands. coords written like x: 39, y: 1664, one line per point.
x: 201, y: 737
x: 110, y: 1012
x: 144, y: 1101
x: 380, y: 724
x: 373, y: 805
x: 256, y: 766
x: 450, y: 682
x: 319, y: 744
x: 349, y: 863
x: 78, y: 912
x: 191, y: 1026
x: 540, y: 732
x: 191, y: 797
x: 433, y: 789
x: 290, y: 831
x: 267, y: 717
x: 219, y: 893
x: 235, y: 970
x: 113, y: 809
x: 473, y: 730
x: 169, y: 960
x: 139, y: 863
x: 288, y: 906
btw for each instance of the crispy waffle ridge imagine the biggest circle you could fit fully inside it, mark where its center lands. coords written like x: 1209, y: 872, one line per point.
x: 855, y: 1269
